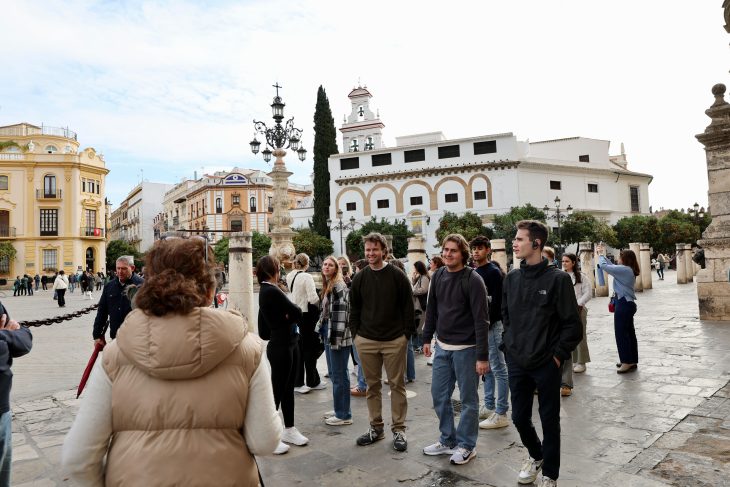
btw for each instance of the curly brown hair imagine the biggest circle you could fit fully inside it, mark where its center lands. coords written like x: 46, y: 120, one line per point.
x: 177, y: 277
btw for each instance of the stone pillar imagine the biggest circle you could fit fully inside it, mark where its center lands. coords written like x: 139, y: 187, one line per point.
x: 587, y: 266
x: 499, y: 253
x: 416, y: 251
x: 389, y: 241
x: 645, y: 265
x: 689, y: 263
x: 638, y: 283
x: 282, y: 246
x: 240, y: 277
x: 681, y: 265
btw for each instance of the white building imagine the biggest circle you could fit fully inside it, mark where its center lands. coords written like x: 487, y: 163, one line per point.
x: 426, y: 175
x: 134, y: 219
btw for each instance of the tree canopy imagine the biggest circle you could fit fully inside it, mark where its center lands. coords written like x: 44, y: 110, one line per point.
x: 581, y: 226
x: 505, y: 224
x: 398, y: 229
x: 469, y: 225
x: 261, y: 244
x: 314, y: 245
x: 221, y: 250
x: 325, y: 144
x: 118, y: 248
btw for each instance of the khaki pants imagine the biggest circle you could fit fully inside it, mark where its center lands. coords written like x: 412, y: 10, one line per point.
x: 581, y: 355
x: 375, y: 355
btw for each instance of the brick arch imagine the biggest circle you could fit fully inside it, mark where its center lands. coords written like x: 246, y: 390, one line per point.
x: 411, y: 183
x: 365, y: 199
x: 398, y: 200
x: 434, y: 195
x: 470, y: 193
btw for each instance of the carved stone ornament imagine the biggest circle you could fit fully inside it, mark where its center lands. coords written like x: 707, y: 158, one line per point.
x: 4, y: 199
x: 94, y: 203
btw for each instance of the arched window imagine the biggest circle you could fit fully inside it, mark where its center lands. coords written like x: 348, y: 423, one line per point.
x: 369, y: 143
x: 49, y: 186
x: 12, y: 149
x: 218, y: 205
x: 360, y: 112
x: 51, y: 149
x: 252, y: 204
x: 354, y: 145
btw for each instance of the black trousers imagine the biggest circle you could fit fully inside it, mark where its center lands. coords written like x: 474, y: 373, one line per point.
x: 522, y: 385
x: 623, y: 327
x: 61, y: 297
x: 283, y: 360
x: 310, y: 348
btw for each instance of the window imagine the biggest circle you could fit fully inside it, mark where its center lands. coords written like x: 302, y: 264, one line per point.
x: 369, y: 143
x: 92, y: 186
x: 90, y: 221
x: 349, y: 163
x: 236, y: 226
x: 351, y: 206
x: 49, y: 186
x: 83, y: 185
x: 354, y: 145
x: 592, y: 188
x: 448, y: 151
x: 634, y: 193
x: 383, y: 203
x: 480, y: 195
x: 360, y: 111
x: 584, y: 158
x: 555, y: 185
x: 98, y: 187
x: 51, y: 149
x: 252, y: 204
x: 415, y: 155
x: 416, y: 200
x: 218, y: 205
x: 486, y: 147
x: 5, y: 265
x: 50, y: 259
x: 382, y: 159
x: 49, y: 223
x: 452, y: 197
x: 271, y: 204
x: 3, y: 183
x: 236, y: 200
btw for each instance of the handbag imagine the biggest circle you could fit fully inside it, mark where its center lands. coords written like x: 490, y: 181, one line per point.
x: 422, y: 298
x: 612, y: 303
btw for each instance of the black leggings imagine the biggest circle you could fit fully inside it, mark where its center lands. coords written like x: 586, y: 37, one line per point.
x: 310, y: 348
x: 283, y: 360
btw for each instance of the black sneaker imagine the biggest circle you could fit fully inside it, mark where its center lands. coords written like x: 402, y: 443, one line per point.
x: 399, y: 441
x: 370, y: 437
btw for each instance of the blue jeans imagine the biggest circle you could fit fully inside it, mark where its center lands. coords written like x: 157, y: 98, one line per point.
x: 6, y: 437
x: 450, y: 368
x: 361, y: 384
x: 327, y: 351
x: 410, y: 361
x: 498, y: 371
x: 340, y: 377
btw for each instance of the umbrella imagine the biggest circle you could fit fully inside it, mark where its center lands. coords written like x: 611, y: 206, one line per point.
x: 98, y: 347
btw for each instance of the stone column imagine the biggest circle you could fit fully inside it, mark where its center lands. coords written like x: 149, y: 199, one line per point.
x: 681, y: 265
x: 587, y: 266
x: 240, y: 270
x: 416, y: 251
x: 389, y: 241
x: 638, y: 283
x: 281, y: 233
x: 499, y: 254
x: 645, y: 265
x: 689, y: 263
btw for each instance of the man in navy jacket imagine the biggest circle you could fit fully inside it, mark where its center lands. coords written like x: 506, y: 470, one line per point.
x: 114, y: 304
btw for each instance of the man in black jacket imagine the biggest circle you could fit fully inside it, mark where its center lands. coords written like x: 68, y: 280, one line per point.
x: 541, y: 329
x: 114, y: 304
x: 15, y: 341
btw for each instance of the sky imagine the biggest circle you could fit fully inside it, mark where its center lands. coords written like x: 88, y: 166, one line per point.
x: 167, y: 88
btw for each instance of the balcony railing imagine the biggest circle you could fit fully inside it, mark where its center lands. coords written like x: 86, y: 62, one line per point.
x: 23, y: 130
x: 49, y: 233
x: 11, y: 156
x: 92, y: 232
x: 41, y: 194
x: 7, y: 232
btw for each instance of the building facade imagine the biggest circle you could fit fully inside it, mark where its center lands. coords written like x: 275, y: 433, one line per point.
x: 426, y: 175
x: 134, y: 219
x: 52, y: 206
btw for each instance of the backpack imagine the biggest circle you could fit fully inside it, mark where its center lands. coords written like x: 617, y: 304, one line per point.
x: 464, y: 282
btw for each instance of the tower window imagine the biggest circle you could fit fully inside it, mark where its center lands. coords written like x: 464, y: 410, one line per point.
x: 415, y: 155
x: 592, y: 188
x: 584, y: 158
x: 555, y: 185
x: 448, y: 151
x: 360, y: 111
x: 383, y: 203
x: 354, y: 145
x: 369, y: 143
x: 351, y: 206
x: 382, y: 159
x: 452, y: 197
x: 480, y: 195
x: 486, y: 147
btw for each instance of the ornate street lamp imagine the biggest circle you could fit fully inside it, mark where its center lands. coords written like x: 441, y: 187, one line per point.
x: 276, y: 139
x: 557, y: 214
x: 340, y: 225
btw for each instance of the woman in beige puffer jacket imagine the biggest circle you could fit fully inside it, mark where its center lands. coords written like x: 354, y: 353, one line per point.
x: 182, y: 396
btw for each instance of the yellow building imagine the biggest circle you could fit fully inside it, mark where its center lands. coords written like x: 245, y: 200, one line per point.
x: 52, y: 206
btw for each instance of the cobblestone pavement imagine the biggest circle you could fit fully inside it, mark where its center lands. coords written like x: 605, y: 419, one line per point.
x: 666, y: 424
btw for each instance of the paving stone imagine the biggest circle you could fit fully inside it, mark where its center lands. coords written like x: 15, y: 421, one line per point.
x: 38, y: 483
x: 680, y: 389
x: 24, y: 452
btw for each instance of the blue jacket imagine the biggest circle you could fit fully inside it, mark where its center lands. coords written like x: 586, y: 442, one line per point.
x: 114, y: 305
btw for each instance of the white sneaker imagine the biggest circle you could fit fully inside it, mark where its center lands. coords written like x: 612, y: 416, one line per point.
x: 281, y: 449
x: 302, y: 389
x: 547, y: 482
x: 335, y: 421
x: 462, y: 456
x: 328, y: 414
x: 579, y: 368
x: 438, y: 448
x: 528, y: 472
x: 485, y: 412
x: 495, y: 421
x: 293, y: 436
x: 319, y: 387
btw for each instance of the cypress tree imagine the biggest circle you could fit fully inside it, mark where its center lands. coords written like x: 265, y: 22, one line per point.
x: 325, y: 144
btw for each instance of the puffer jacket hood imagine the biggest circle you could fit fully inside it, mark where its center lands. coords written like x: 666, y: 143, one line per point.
x: 203, y: 339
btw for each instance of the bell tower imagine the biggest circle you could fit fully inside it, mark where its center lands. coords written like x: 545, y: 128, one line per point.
x: 362, y: 129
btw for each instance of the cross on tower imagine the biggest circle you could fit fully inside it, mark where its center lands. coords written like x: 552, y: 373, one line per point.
x: 277, y: 88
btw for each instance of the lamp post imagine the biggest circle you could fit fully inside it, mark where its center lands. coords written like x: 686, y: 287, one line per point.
x: 340, y: 225
x: 278, y: 138
x: 557, y: 214
x: 697, y: 212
